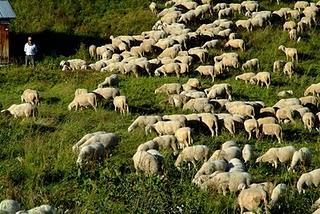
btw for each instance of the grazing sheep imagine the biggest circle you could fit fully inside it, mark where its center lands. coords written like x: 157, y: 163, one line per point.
x: 247, y: 153
x: 84, y: 100
x: 309, y: 121
x: 168, y: 69
x: 199, y: 105
x: 228, y: 144
x: 164, y: 127
x: 175, y: 117
x: 251, y: 125
x: 313, y: 89
x: 177, y: 100
x: 236, y: 43
x: 108, y: 140
x: 147, y: 163
x: 303, y: 156
x: 207, y: 70
x: 72, y: 64
x: 93, y: 51
x: 169, y: 88
x: 90, y: 153
x: 211, y: 121
x: 120, y: 103
x: 285, y: 93
x: 148, y: 145
x: 283, y: 114
x: 210, y: 167
x: 261, y: 78
x: 251, y: 198
x: 301, y: 5
x: 107, y: 93
x: 309, y: 101
x: 227, y: 12
x: 184, y: 137
x: 30, y: 96
x: 276, y: 193
x: 251, y: 64
x: 153, y: 7
x: 281, y: 154
x: 86, y: 137
x: 246, y: 24
x: 112, y: 80
x: 289, y: 69
x: 243, y: 110
x: 226, y: 153
x: 308, y: 179
x: 167, y: 142
x: 277, y: 65
x: 210, y: 44
x: 192, y: 154
x: 9, y: 206
x: 289, y: 25
x: 143, y: 121
x: 194, y: 83
x: 245, y: 76
x: 290, y: 53
x: 284, y: 103
x: 22, y: 110
x: 219, y: 90
x: 271, y: 129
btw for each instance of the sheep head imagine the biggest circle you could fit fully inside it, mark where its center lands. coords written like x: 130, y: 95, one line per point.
x: 282, y: 48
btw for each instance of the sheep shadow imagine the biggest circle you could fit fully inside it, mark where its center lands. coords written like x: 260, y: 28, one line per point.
x: 39, y: 128
x: 145, y: 109
x: 50, y: 100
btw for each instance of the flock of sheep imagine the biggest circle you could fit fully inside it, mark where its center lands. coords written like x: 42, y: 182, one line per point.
x: 177, y: 49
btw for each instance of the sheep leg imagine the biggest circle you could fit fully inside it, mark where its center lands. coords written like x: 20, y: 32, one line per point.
x: 249, y: 135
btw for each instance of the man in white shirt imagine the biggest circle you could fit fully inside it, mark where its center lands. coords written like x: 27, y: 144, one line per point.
x: 30, y: 49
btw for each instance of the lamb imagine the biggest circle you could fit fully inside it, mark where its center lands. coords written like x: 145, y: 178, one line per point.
x: 261, y: 78
x: 167, y: 142
x: 192, y: 154
x: 184, y: 137
x: 309, y: 121
x: 209, y: 167
x: 313, y: 89
x: 302, y: 156
x: 143, y: 121
x: 164, y: 127
x: 146, y: 162
x: 308, y: 179
x: 72, y: 64
x: 84, y: 139
x: 276, y: 193
x: 90, y: 153
x: 169, y: 88
x: 112, y: 80
x: 245, y: 76
x: 148, y: 145
x: 277, y: 65
x: 30, y: 96
x: 281, y: 154
x: 247, y: 153
x: 290, y: 53
x: 168, y: 69
x: 84, y: 100
x: 289, y: 69
x: 236, y: 43
x: 251, y: 198
x: 271, y: 129
x: 121, y: 103
x: 207, y: 70
x: 107, y: 93
x: 9, y: 206
x: 251, y: 64
x: 251, y: 125
x: 22, y: 110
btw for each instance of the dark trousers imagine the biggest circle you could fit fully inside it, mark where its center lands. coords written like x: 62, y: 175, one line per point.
x: 29, y: 59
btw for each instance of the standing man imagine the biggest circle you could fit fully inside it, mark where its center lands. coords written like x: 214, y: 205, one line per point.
x: 30, y: 49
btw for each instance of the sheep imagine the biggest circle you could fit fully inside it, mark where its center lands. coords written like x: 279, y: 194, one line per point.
x: 309, y: 101
x: 194, y: 83
x: 184, y: 137
x: 164, y: 127
x: 210, y: 44
x: 148, y: 145
x: 207, y: 70
x: 9, y: 206
x: 219, y: 90
x: 236, y: 165
x: 168, y: 69
x: 228, y: 144
x: 276, y: 193
x: 261, y: 78
x: 246, y: 24
x: 235, y: 7
x: 277, y: 65
x: 309, y: 121
x: 168, y: 142
x: 243, y: 110
x: 22, y: 110
x: 281, y: 154
x: 30, y: 96
x: 250, y: 6
x: 287, y: 26
x: 251, y: 198
x: 303, y: 156
x: 290, y: 53
x: 177, y: 100
x: 247, y: 153
x: 211, y: 121
x: 308, y: 179
x: 146, y: 162
x: 227, y: 153
x: 143, y: 121
x: 84, y: 100
x: 121, y: 103
x: 245, y: 77
x: 107, y: 93
x: 293, y: 35
x: 108, y: 140
x: 283, y: 114
x: 45, y: 208
x: 236, y: 43
x: 86, y: 137
x: 90, y: 153
x: 93, y: 51
x: 169, y: 88
x: 285, y: 93
x: 175, y: 117
x: 201, y: 53
x: 283, y: 103
x: 300, y: 5
x: 72, y: 64
x: 192, y: 154
x: 80, y: 91
x: 251, y: 64
x: 112, y: 80
x: 228, y: 59
x: 271, y: 129
x: 289, y: 69
x: 211, y: 166
x: 225, y: 12
x: 251, y: 125
x: 199, y: 105
x: 313, y: 89
x: 153, y: 7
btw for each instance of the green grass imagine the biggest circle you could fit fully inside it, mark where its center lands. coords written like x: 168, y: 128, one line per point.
x: 37, y: 165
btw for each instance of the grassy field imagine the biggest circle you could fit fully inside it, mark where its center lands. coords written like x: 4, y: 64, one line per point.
x: 37, y: 165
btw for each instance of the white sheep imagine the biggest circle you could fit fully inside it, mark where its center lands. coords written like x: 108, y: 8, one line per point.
x: 93, y: 51
x: 283, y: 103
x: 251, y: 198
x: 227, y: 12
x: 164, y: 127
x: 148, y: 145
x: 281, y: 154
x: 251, y: 64
x: 169, y: 88
x: 271, y: 129
x: 143, y: 121
x: 199, y: 105
x: 309, y: 101
x: 261, y: 78
x: 219, y: 90
x: 72, y: 64
x: 167, y: 142
x: 308, y: 179
x: 313, y: 89
x: 246, y: 24
x: 91, y: 153
x: 211, y: 166
x: 30, y: 96
x: 121, y: 103
x: 194, y: 83
x: 293, y: 35
x: 303, y: 156
x: 289, y: 25
x: 168, y: 69
x: 236, y: 43
x: 247, y: 153
x: 285, y: 93
x: 86, y: 137
x: 177, y: 100
x: 108, y: 140
x: 277, y: 65
x: 251, y: 125
x: 243, y: 110
x: 193, y: 154
x: 22, y: 110
x: 80, y: 91
x: 175, y: 117
x: 236, y: 165
x: 309, y: 121
x: 245, y: 77
x: 146, y: 162
x: 43, y: 209
x: 290, y: 53
x: 184, y: 137
x: 207, y: 70
x: 276, y: 193
x: 284, y: 114
x: 300, y: 5
x: 289, y: 69
x: 84, y: 100
x: 107, y: 93
x: 111, y: 80
x: 9, y: 206
x: 210, y: 44
x: 211, y: 121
